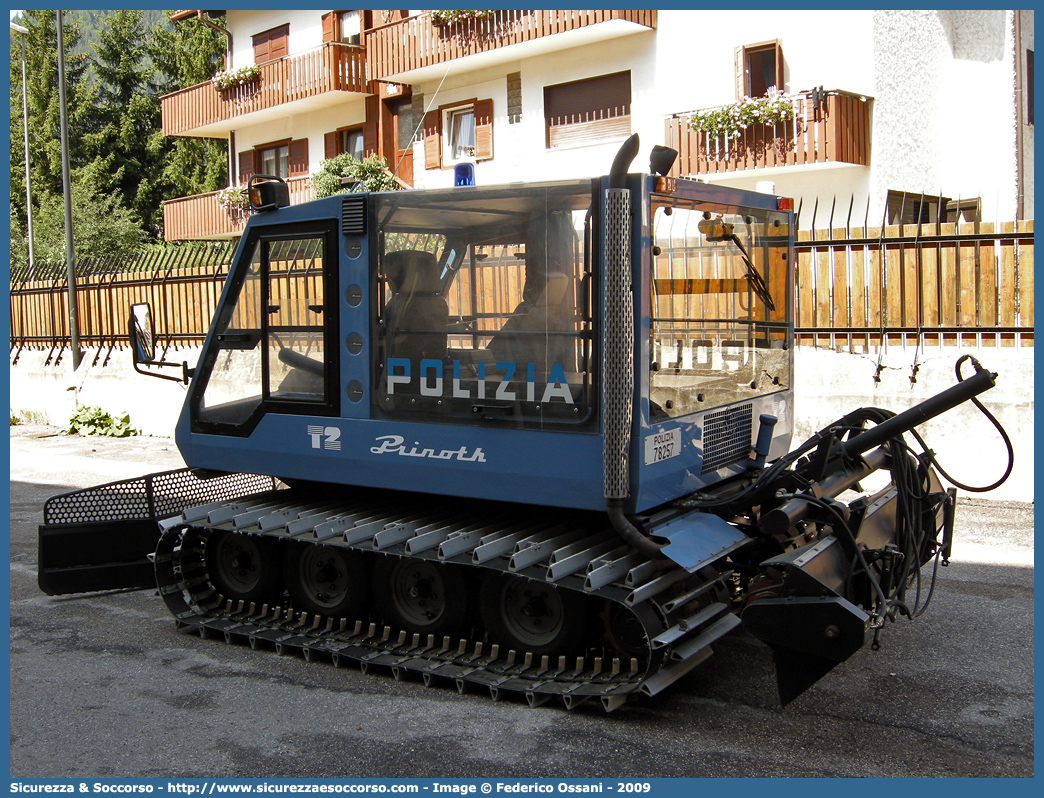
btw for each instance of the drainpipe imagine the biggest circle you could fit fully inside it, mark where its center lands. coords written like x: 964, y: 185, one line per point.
x: 233, y: 164
x: 210, y: 24
x: 1020, y: 91
x: 232, y: 176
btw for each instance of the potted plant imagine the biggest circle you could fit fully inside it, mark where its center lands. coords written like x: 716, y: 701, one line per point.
x: 451, y: 17
x: 235, y: 201
x: 730, y: 121
x: 230, y: 78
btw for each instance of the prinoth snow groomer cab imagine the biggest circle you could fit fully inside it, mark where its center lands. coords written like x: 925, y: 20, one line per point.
x: 533, y: 438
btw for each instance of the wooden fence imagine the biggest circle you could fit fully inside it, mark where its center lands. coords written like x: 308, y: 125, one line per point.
x: 932, y: 285
x: 182, y: 285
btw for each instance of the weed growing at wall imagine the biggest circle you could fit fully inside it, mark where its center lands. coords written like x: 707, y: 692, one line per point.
x: 95, y: 421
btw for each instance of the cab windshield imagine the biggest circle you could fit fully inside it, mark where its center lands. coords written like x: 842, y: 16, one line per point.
x: 483, y: 305
x: 720, y: 306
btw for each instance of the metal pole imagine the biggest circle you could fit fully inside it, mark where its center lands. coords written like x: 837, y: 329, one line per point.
x: 25, y: 130
x: 70, y: 255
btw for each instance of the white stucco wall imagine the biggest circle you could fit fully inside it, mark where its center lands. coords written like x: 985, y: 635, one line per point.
x: 313, y: 125
x: 306, y: 30
x: 695, y: 62
x: 676, y: 68
x: 1026, y: 34
x: 943, y: 115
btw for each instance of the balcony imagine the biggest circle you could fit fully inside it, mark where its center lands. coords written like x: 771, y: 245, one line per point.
x: 200, y: 216
x: 826, y: 130
x: 415, y: 50
x: 310, y: 80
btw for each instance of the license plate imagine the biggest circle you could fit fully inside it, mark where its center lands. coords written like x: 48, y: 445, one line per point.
x: 662, y: 446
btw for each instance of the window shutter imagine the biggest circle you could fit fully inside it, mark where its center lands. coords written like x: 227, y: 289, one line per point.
x: 779, y: 66
x: 331, y: 145
x: 432, y: 140
x: 261, y: 48
x: 373, y: 110
x: 329, y: 33
x: 299, y: 158
x: 740, y: 64
x: 483, y: 130
x: 246, y: 166
x: 279, y: 42
x: 271, y: 44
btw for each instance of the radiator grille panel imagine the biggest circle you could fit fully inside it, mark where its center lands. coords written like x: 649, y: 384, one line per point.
x: 726, y: 437
x: 353, y: 216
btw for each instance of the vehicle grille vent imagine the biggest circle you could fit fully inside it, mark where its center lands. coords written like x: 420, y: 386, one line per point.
x: 726, y: 437
x: 353, y: 216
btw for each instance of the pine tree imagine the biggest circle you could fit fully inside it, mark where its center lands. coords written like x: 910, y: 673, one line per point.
x: 41, y: 54
x: 45, y: 155
x: 186, y: 54
x: 127, y: 114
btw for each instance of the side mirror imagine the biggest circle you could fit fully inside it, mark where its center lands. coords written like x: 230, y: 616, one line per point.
x: 143, y: 345
x: 142, y: 341
x: 267, y: 193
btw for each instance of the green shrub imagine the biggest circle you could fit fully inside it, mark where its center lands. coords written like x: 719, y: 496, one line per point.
x: 371, y: 171
x: 95, y: 421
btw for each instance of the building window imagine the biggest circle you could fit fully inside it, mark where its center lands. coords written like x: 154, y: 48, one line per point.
x: 343, y: 26
x: 271, y: 44
x: 347, y: 139
x: 274, y: 160
x: 403, y: 116
x: 283, y: 159
x: 351, y: 27
x: 908, y: 207
x: 514, y: 97
x: 586, y: 111
x: 351, y: 142
x: 456, y: 132
x: 759, y: 68
x: 460, y: 143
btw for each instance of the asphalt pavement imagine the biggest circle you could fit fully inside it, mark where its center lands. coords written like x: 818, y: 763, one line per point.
x: 103, y: 684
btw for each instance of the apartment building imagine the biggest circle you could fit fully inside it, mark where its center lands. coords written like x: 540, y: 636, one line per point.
x: 896, y: 116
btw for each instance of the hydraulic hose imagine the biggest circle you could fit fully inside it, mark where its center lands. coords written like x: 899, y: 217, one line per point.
x: 630, y: 533
x: 992, y: 419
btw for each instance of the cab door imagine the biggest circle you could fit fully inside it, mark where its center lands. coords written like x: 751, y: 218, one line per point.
x: 273, y: 342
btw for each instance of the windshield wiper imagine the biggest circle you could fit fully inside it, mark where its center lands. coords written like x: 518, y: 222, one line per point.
x: 754, y: 277
x: 720, y: 230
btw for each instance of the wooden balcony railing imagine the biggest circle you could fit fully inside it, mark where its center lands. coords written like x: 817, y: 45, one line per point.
x: 836, y: 129
x: 200, y: 216
x: 332, y: 67
x: 415, y: 43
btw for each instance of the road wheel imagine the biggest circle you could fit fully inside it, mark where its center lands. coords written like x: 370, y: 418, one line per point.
x: 527, y: 615
x: 421, y: 596
x: 327, y: 580
x: 244, y: 567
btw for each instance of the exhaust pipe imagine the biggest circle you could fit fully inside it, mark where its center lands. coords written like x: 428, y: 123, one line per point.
x: 618, y: 351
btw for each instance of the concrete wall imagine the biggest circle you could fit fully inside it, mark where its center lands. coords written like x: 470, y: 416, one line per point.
x: 829, y: 384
